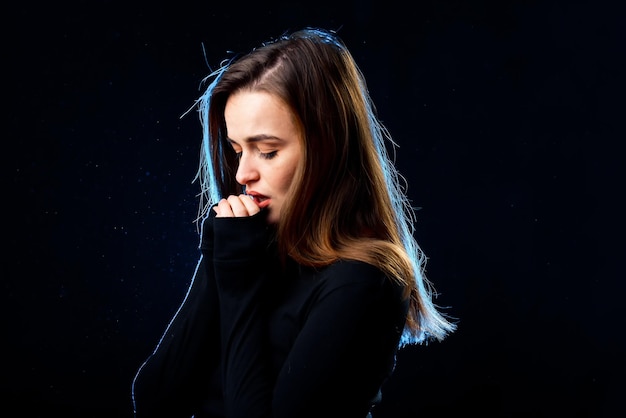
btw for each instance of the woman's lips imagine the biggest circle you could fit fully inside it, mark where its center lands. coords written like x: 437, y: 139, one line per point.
x: 261, y: 200
x: 262, y: 203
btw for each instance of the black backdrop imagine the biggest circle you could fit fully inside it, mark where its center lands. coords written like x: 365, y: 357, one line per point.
x: 508, y: 116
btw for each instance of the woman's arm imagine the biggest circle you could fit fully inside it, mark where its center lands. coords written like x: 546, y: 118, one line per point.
x: 243, y: 270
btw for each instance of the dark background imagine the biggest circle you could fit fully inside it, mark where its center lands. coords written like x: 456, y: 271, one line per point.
x: 509, y: 118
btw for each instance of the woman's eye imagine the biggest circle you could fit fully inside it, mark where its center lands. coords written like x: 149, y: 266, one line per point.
x: 268, y: 155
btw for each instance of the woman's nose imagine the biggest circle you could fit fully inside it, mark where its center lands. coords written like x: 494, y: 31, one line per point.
x: 246, y: 171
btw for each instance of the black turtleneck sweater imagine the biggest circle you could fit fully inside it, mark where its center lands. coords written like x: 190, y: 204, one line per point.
x: 253, y: 338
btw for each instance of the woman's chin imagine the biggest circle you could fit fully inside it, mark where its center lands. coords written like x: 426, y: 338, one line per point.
x: 272, y: 216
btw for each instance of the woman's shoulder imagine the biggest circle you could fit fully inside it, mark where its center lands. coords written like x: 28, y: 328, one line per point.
x: 352, y: 273
x: 355, y: 267
x: 352, y: 283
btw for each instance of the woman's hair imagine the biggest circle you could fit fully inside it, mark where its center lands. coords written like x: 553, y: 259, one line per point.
x: 347, y: 199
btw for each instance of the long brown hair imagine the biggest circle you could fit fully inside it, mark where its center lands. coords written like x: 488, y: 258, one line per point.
x: 347, y: 199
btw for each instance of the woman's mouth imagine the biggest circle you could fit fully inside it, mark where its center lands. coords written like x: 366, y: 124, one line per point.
x: 261, y: 200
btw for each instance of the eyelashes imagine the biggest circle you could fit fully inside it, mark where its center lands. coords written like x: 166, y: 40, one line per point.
x: 268, y: 155
x: 264, y: 155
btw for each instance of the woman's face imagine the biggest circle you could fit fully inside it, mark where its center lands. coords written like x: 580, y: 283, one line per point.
x: 265, y: 134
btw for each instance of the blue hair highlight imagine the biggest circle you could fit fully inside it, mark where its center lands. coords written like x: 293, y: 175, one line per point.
x: 405, y: 219
x: 209, y: 190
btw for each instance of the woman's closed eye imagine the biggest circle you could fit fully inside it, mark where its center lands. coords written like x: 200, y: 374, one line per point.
x: 264, y: 155
x: 268, y: 155
x: 262, y: 149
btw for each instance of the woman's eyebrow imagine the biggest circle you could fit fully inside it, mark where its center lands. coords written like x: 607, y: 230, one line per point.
x: 257, y: 138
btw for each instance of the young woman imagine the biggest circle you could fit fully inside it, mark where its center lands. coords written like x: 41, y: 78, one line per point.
x: 309, y: 278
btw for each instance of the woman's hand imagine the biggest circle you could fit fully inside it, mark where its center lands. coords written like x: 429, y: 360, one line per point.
x: 236, y: 206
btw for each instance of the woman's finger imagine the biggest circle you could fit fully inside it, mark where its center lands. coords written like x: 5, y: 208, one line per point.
x: 251, y: 207
x: 223, y: 209
x: 237, y: 206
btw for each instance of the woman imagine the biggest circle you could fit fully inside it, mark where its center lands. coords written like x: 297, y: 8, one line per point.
x: 309, y: 278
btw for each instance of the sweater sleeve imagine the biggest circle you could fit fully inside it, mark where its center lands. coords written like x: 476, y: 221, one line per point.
x: 172, y: 380
x: 242, y: 271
